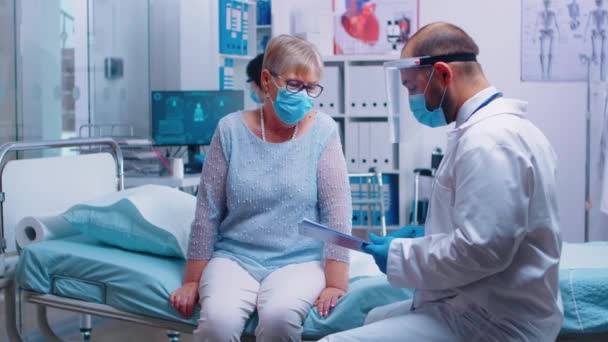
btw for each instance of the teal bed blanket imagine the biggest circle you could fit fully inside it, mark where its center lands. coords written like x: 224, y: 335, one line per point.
x: 140, y: 283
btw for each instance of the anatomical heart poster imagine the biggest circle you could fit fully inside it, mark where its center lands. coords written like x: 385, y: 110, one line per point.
x: 373, y: 26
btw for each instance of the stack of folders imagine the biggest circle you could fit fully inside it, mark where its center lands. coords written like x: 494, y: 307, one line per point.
x: 139, y: 158
x: 366, y: 202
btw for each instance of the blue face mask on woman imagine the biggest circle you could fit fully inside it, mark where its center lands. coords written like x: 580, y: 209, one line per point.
x: 291, y: 107
x: 435, y: 118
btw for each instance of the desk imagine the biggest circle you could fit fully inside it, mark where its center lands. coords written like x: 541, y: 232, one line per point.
x: 189, y: 180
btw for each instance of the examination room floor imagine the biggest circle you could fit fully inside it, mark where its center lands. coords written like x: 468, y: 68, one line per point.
x: 66, y: 325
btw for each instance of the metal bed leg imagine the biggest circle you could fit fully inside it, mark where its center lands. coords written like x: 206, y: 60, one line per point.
x: 173, y: 335
x: 86, y: 326
x: 44, y: 325
x: 10, y: 302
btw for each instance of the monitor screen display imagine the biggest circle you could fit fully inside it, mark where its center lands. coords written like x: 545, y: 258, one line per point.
x: 190, y: 117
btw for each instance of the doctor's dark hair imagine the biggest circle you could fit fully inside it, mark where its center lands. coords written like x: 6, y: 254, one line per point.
x: 441, y: 38
x: 254, y: 70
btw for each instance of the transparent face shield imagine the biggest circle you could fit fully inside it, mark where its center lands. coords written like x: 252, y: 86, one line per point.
x: 397, y: 93
x: 401, y: 79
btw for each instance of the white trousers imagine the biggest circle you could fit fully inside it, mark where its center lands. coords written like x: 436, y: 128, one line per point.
x: 229, y: 295
x: 433, y: 322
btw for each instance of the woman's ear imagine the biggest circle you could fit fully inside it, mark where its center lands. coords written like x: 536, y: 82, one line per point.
x: 265, y: 80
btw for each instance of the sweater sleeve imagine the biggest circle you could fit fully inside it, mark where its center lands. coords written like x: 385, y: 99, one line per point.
x: 211, y: 202
x: 334, y: 197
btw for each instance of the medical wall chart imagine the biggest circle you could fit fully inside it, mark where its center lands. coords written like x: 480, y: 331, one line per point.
x: 373, y: 26
x: 559, y: 35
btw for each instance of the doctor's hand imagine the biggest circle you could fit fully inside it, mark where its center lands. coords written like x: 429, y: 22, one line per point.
x: 378, y: 248
x: 327, y: 300
x: 184, y: 299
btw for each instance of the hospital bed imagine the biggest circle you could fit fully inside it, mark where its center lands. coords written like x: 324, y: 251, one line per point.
x: 83, y: 276
x: 80, y: 275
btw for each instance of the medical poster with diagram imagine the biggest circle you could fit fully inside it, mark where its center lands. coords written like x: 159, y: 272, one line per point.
x: 375, y: 27
x: 559, y: 38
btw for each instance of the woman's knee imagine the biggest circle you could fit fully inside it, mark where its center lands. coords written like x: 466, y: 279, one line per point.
x: 279, y: 321
x: 219, y: 324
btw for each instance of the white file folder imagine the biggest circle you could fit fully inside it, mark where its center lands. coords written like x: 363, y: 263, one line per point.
x: 321, y: 232
x: 329, y: 100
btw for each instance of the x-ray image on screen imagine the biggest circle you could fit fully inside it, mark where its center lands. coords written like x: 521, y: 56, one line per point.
x: 190, y: 117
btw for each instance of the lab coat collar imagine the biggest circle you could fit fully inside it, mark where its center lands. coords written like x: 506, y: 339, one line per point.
x: 499, y: 106
x: 469, y: 107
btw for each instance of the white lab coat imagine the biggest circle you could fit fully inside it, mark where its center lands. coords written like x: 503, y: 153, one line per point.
x: 488, y: 268
x: 493, y: 242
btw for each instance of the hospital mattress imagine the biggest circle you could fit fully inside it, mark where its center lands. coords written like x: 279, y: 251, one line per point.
x: 583, y: 278
x: 138, y: 283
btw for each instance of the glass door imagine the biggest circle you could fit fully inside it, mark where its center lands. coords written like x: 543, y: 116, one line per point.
x: 52, y: 77
x: 119, y: 45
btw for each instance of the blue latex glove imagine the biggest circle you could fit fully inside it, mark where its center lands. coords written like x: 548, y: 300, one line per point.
x: 379, y: 246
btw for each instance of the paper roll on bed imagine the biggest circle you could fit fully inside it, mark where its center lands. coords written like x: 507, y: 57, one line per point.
x: 35, y: 229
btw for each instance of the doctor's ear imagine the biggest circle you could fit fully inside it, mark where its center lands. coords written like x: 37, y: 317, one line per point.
x: 444, y: 71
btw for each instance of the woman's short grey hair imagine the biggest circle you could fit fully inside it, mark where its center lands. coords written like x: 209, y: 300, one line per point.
x: 292, y: 54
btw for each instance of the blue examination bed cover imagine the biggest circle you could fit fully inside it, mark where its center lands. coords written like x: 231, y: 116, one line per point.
x: 80, y: 268
x: 140, y: 283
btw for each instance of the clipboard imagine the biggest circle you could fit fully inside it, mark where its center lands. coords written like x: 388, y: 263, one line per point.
x: 315, y: 230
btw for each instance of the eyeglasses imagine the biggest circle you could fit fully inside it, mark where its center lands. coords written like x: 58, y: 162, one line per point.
x: 296, y: 86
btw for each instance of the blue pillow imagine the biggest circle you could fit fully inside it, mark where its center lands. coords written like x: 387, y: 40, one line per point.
x: 152, y: 219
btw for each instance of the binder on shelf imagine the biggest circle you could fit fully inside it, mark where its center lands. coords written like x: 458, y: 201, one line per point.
x: 366, y: 215
x: 329, y: 100
x: 352, y: 146
x: 367, y: 95
x: 365, y: 147
x: 382, y: 148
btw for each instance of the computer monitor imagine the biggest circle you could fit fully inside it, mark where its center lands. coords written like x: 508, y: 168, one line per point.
x: 190, y: 117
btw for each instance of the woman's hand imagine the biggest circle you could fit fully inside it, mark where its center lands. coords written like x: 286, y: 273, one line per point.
x: 184, y: 299
x: 327, y: 300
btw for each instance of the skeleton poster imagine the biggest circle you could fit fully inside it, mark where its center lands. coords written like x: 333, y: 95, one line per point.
x: 559, y: 38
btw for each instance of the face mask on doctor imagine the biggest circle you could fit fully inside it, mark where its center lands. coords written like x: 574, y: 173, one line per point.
x: 434, y: 118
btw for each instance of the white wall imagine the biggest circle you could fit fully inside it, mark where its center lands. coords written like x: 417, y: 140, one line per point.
x: 165, y: 45
x: 199, y: 46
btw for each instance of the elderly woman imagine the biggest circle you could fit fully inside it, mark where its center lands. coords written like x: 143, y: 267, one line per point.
x: 266, y: 170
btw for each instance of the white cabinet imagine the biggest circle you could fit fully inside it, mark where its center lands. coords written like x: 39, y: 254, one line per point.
x: 356, y: 84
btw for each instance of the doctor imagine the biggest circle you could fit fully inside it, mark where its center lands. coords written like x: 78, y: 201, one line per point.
x: 488, y: 269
